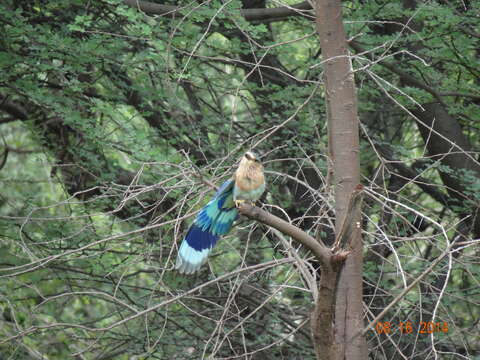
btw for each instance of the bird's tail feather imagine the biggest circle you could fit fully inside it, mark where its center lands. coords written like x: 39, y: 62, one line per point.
x: 213, y: 220
x: 194, y: 249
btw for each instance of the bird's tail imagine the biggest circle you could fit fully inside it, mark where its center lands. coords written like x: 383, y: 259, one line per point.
x: 195, y: 249
x: 215, y: 219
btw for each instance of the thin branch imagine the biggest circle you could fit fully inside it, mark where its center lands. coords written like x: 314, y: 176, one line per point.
x: 159, y: 305
x: 407, y: 290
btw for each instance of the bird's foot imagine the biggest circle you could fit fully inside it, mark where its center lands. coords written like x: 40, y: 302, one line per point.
x: 243, y: 201
x: 239, y: 202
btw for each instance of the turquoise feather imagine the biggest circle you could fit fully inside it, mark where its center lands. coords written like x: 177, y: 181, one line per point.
x: 215, y: 219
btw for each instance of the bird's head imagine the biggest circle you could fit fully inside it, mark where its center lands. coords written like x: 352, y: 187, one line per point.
x: 250, y: 162
x: 251, y: 156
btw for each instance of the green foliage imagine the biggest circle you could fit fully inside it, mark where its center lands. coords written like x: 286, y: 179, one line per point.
x: 127, y: 117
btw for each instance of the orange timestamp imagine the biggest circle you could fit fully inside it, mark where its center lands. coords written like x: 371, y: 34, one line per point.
x: 408, y: 327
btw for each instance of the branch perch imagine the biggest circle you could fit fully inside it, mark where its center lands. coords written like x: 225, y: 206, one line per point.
x: 321, y: 252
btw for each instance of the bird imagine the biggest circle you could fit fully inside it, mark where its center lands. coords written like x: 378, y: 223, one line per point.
x: 216, y: 218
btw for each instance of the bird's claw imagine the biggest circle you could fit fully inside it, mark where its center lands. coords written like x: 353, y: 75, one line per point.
x: 239, y: 202
x: 242, y: 201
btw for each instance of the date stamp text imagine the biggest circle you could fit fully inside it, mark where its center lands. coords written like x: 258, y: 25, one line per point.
x: 409, y: 327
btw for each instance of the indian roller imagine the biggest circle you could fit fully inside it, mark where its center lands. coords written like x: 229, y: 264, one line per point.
x: 216, y: 218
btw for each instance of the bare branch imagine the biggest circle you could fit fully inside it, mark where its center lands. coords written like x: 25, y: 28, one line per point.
x: 321, y: 252
x: 259, y: 15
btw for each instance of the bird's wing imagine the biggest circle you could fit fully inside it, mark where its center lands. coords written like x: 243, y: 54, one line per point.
x: 217, y: 216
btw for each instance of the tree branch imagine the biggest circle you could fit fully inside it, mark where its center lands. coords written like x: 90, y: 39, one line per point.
x: 14, y: 110
x: 269, y: 15
x: 351, y: 221
x: 321, y: 252
x: 410, y: 174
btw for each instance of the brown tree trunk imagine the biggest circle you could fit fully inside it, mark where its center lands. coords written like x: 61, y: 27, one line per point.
x: 344, y: 154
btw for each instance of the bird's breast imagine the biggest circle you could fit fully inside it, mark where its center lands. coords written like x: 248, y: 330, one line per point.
x: 248, y: 181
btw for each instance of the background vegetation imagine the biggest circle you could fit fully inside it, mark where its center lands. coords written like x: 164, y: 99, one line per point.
x: 116, y: 117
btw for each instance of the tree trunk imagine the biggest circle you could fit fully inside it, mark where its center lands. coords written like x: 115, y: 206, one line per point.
x: 344, y: 155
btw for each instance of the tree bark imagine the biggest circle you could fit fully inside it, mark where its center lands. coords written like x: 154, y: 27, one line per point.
x: 344, y: 155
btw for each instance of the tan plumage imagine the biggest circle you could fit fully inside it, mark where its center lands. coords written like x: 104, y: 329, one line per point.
x: 249, y: 179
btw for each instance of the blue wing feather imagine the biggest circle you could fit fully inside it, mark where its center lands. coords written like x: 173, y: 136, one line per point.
x: 213, y: 220
x: 225, y: 188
